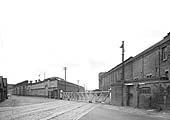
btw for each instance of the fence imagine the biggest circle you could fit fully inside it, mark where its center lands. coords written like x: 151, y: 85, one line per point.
x: 92, y: 97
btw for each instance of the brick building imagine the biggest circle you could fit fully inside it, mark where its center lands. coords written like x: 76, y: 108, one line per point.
x: 101, y: 83
x: 147, y: 78
x: 3, y: 88
x: 21, y: 88
x: 10, y: 88
x: 49, y: 87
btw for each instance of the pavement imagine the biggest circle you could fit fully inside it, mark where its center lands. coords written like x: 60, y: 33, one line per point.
x: 107, y: 112
x: 37, y: 108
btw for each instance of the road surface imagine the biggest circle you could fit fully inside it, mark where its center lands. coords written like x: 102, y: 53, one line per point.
x: 35, y: 108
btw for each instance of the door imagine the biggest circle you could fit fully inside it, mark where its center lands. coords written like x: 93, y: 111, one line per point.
x: 130, y: 95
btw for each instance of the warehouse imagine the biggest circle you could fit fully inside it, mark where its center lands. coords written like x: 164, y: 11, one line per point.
x: 146, y: 78
x: 50, y: 87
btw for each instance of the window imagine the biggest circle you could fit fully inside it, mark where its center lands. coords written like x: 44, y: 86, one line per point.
x: 156, y: 69
x: 166, y: 73
x: 164, y: 53
x: 145, y: 90
x: 149, y: 75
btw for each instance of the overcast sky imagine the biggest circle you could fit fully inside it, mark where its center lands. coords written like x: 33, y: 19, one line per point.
x: 38, y: 36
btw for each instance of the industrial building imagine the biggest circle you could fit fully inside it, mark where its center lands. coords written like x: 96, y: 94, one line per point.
x: 50, y: 87
x: 146, y: 80
x: 3, y: 88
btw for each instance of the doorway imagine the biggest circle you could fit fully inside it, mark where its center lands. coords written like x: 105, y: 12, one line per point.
x: 130, y: 95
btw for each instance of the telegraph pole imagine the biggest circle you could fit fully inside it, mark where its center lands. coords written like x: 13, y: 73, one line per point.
x: 65, y: 69
x: 123, y: 71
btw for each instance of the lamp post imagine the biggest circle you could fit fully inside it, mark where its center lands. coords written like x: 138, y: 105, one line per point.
x: 123, y: 71
x: 65, y: 69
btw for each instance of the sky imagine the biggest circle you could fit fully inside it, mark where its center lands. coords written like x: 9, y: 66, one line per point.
x: 44, y: 36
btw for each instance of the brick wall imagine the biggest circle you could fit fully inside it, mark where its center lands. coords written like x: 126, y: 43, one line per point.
x: 165, y: 64
x: 137, y: 68
x: 3, y: 88
x: 70, y: 87
x: 151, y: 63
x: 128, y: 71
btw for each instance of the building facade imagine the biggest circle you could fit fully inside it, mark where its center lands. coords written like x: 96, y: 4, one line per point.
x: 10, y: 88
x: 101, y: 82
x: 146, y: 78
x: 3, y: 88
x: 50, y: 87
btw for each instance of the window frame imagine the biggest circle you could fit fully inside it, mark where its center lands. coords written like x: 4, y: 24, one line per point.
x: 164, y: 53
x: 145, y: 90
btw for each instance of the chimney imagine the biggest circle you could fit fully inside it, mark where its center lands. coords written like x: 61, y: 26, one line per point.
x: 35, y: 81
x: 39, y: 80
x: 31, y: 82
x: 168, y: 33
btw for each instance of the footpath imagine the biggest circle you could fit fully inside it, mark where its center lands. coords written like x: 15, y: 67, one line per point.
x: 164, y: 114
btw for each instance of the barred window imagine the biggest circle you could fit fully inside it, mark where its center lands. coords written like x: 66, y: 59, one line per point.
x: 145, y: 90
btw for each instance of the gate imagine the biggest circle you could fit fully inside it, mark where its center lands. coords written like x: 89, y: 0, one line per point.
x: 91, y: 97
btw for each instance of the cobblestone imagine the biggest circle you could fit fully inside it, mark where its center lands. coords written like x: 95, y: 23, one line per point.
x: 43, y: 110
x: 52, y: 109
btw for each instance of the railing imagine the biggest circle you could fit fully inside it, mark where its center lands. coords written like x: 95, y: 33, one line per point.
x: 91, y: 97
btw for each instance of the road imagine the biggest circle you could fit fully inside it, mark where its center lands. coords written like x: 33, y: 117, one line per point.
x: 35, y: 108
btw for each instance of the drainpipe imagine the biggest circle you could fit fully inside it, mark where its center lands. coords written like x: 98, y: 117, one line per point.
x: 159, y: 61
